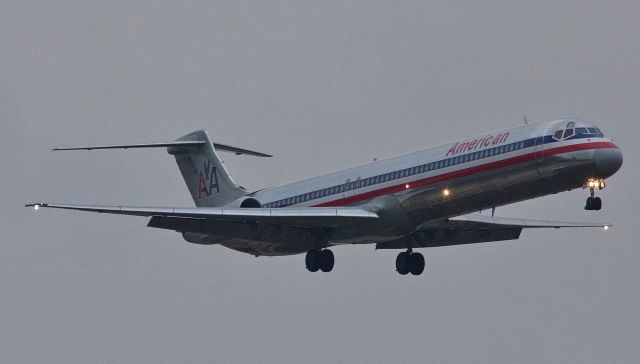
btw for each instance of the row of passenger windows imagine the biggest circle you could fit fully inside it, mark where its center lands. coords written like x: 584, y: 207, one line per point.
x: 366, y: 182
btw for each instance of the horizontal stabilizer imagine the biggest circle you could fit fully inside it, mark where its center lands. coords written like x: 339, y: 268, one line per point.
x: 135, y: 146
x: 239, y: 151
x: 197, y: 143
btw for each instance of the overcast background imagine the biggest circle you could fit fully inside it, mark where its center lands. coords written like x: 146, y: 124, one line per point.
x: 322, y: 85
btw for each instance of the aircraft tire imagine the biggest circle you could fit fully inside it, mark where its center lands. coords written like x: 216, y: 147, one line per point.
x: 416, y: 264
x: 589, y: 205
x: 326, y: 260
x: 312, y: 260
x: 597, y: 203
x: 402, y: 263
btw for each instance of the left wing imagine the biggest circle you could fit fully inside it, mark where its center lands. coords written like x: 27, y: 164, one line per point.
x: 169, y: 218
x: 475, y: 228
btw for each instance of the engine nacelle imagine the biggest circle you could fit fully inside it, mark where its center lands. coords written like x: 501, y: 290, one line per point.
x: 250, y: 203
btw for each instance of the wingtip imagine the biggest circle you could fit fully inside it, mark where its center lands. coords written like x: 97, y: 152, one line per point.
x: 36, y: 204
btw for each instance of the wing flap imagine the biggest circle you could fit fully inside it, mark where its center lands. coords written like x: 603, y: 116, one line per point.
x: 177, y: 223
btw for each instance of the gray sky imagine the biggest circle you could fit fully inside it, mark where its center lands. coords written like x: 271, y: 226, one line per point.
x: 322, y: 85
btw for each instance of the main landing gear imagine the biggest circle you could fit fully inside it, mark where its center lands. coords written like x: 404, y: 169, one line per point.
x: 410, y: 262
x: 319, y: 260
x: 594, y: 203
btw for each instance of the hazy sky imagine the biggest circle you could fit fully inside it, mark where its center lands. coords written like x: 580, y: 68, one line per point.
x: 322, y: 85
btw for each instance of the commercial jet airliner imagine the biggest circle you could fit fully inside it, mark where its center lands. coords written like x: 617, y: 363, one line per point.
x: 423, y: 199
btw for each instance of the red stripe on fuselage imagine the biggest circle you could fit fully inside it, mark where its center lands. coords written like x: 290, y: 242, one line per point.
x: 466, y: 172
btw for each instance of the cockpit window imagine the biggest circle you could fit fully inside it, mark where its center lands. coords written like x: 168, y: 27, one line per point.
x: 593, y: 130
x: 582, y: 131
x: 568, y: 133
x: 557, y: 135
x: 570, y: 125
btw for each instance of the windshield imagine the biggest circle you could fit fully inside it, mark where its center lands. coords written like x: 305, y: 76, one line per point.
x: 575, y: 130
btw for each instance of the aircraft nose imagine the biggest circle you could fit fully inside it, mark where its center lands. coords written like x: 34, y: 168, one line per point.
x: 608, y: 161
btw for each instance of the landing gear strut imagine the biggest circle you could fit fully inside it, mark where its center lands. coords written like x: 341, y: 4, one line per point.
x: 319, y: 260
x: 410, y: 262
x: 594, y: 203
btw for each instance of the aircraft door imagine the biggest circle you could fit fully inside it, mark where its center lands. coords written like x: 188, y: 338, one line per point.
x: 538, y: 150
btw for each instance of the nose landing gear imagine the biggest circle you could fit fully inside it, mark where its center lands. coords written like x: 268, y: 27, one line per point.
x: 594, y: 203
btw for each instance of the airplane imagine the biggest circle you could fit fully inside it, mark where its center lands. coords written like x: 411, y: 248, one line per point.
x: 427, y: 198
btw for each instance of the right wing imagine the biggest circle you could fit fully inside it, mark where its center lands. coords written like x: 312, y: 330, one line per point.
x: 475, y: 228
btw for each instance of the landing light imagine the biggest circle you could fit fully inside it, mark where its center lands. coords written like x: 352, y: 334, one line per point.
x: 446, y: 192
x: 406, y: 187
x: 606, y: 227
x: 36, y: 207
x: 596, y: 183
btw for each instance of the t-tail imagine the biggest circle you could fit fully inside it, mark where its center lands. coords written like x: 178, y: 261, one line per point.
x: 206, y: 177
x: 209, y: 182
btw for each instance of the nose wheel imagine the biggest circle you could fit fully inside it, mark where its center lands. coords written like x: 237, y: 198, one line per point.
x: 594, y: 203
x: 410, y: 262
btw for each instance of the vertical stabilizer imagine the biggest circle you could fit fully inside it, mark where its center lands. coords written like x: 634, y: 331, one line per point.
x: 206, y: 177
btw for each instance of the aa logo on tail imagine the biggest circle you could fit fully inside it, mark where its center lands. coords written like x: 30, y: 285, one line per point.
x: 208, y: 180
